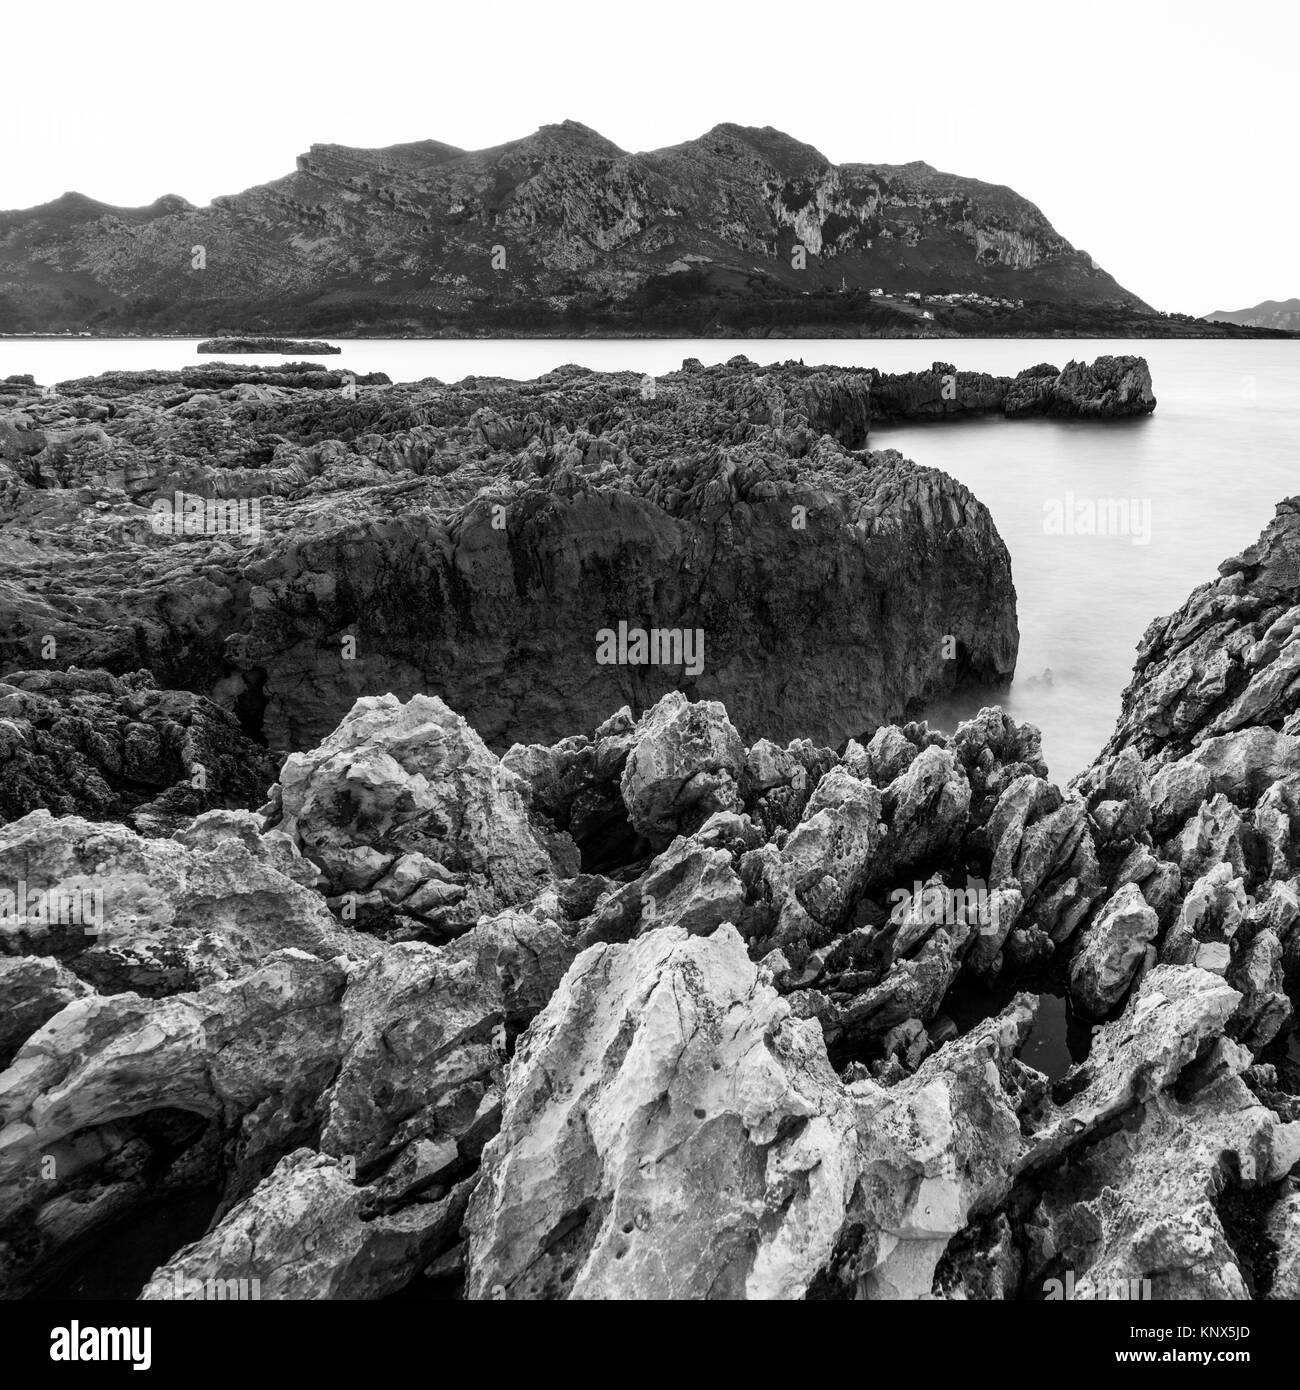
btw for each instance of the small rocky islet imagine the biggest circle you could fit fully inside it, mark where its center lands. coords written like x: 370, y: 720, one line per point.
x: 520, y: 947
x: 268, y: 345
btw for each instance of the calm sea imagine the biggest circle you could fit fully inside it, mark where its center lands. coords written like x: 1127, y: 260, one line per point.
x: 1179, y: 491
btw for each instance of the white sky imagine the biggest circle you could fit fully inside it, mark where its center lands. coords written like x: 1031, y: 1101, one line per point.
x: 1159, y: 137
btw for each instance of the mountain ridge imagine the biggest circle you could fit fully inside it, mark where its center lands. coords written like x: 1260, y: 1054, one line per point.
x: 742, y: 229
x: 1281, y: 314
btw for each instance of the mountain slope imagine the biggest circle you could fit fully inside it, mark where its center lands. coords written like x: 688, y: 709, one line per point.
x: 1272, y: 313
x: 563, y: 222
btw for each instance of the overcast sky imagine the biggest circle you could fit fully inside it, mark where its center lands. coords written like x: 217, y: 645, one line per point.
x: 1159, y: 137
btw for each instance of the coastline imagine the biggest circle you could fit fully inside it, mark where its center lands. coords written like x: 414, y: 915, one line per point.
x: 806, y: 332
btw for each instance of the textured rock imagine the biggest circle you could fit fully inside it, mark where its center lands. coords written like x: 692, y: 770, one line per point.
x: 668, y: 1130
x: 1283, y: 1230
x: 1111, y: 950
x: 684, y: 763
x: 1173, y: 1017
x: 423, y: 1034
x: 1110, y: 387
x: 926, y: 806
x: 802, y: 891
x: 157, y: 916
x: 691, y: 886
x: 266, y: 1040
x: 307, y: 1232
x: 1107, y: 387
x: 474, y: 541
x: 32, y: 990
x: 984, y: 1264
x: 1118, y: 796
x: 1042, y: 847
x: 1194, y: 666
x: 90, y: 744
x: 938, y: 1148
x: 403, y: 802
x: 1212, y: 911
x: 1257, y: 972
x: 698, y: 1018
x: 1137, y: 1215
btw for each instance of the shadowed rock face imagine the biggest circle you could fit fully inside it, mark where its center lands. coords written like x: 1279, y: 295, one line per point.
x: 117, y: 748
x: 475, y: 542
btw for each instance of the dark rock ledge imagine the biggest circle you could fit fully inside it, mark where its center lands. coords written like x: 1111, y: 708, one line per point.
x: 472, y: 540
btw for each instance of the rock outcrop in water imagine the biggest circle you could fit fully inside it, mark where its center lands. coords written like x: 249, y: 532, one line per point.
x: 281, y: 345
x: 1109, y: 388
x: 665, y: 1007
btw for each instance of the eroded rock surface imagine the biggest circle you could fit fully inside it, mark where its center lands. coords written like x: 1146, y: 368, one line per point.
x: 404, y: 808
x: 669, y: 1131
x: 117, y: 748
x: 663, y: 1009
x: 286, y: 540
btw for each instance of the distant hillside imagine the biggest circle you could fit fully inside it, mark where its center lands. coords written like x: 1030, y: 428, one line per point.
x: 1272, y: 313
x: 741, y: 231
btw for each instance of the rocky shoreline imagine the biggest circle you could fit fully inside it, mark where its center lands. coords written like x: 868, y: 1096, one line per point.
x: 590, y: 986
x: 345, y: 535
